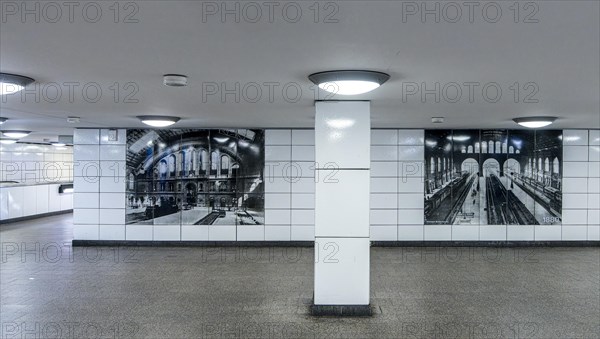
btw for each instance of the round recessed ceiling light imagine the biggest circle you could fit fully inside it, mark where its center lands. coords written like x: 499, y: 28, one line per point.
x: 15, y: 134
x: 6, y: 141
x: 58, y: 144
x: 534, y: 122
x: 12, y: 83
x: 348, y: 82
x: 158, y: 120
x: 175, y: 80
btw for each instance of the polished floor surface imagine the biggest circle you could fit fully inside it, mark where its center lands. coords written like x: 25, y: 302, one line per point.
x: 50, y: 290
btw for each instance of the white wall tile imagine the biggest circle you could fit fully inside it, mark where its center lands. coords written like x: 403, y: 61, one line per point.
x: 279, y: 169
x: 278, y: 137
x: 301, y: 169
x: 42, y: 192
x: 112, y: 200
x: 548, y: 233
x: 66, y: 201
x: 86, y: 136
x: 341, y: 144
x: 575, y: 153
x: 411, y: 185
x: 278, y: 233
x: 593, y: 185
x: 277, y: 200
x: 465, y: 233
x: 575, y: 137
x: 87, y: 168
x: 410, y: 169
x: 593, y: 201
x: 384, y: 169
x: 384, y: 137
x: 112, y: 232
x: 221, y: 233
x: 303, y: 217
x: 384, y: 233
x: 86, y: 200
x: 86, y: 216
x: 113, y: 168
x: 384, y: 153
x: 575, y: 201
x: 594, y: 169
x: 302, y: 233
x: 410, y: 201
x: 411, y: 137
x: 593, y: 217
x: 573, y: 232
x: 166, y: 233
x: 303, y: 137
x: 277, y: 185
x: 575, y: 185
x: 594, y: 139
x: 194, y: 233
x: 383, y: 217
x: 112, y: 152
x: 384, y: 185
x: 519, y: 232
x: 307, y: 185
x: 410, y: 217
x: 410, y: 233
x: 492, y: 233
x: 332, y: 217
x: 121, y: 137
x: 435, y: 232
x: 85, y: 232
x: 594, y: 153
x: 29, y: 201
x: 86, y: 185
x: 304, y: 201
x: 138, y: 232
x: 278, y: 217
x: 345, y: 281
x: 303, y: 153
x: 112, y: 185
x: 411, y: 153
x: 251, y: 233
x: 593, y: 233
x: 112, y: 216
x: 574, y: 170
x: 278, y: 153
x: 574, y: 217
x: 384, y: 200
x: 86, y: 152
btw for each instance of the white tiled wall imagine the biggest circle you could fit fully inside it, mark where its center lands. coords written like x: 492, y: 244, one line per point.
x: 396, y: 198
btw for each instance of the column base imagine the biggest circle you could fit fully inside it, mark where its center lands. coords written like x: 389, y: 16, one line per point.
x: 341, y: 310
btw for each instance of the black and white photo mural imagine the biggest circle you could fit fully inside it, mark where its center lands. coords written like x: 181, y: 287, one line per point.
x: 195, y: 177
x: 493, y: 177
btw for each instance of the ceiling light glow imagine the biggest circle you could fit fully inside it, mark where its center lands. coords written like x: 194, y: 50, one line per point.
x: 348, y: 82
x: 340, y: 123
x: 3, y: 120
x: 15, y: 134
x: 13, y: 83
x: 7, y: 141
x: 534, y: 122
x: 158, y: 120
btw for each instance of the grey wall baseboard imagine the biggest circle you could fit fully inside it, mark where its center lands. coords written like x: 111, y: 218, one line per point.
x: 35, y: 216
x: 117, y: 243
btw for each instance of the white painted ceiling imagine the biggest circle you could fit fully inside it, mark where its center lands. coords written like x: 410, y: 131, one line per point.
x: 560, y: 54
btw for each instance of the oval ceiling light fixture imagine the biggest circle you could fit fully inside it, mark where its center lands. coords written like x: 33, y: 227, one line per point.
x: 349, y: 82
x: 3, y: 120
x: 12, y: 83
x: 158, y: 120
x: 175, y: 80
x: 5, y: 141
x: 58, y: 144
x: 15, y: 134
x: 535, y: 122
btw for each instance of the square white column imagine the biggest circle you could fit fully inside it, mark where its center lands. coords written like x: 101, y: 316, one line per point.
x: 342, y: 150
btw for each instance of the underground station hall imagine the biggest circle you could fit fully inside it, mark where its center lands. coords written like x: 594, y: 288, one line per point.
x: 299, y: 169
